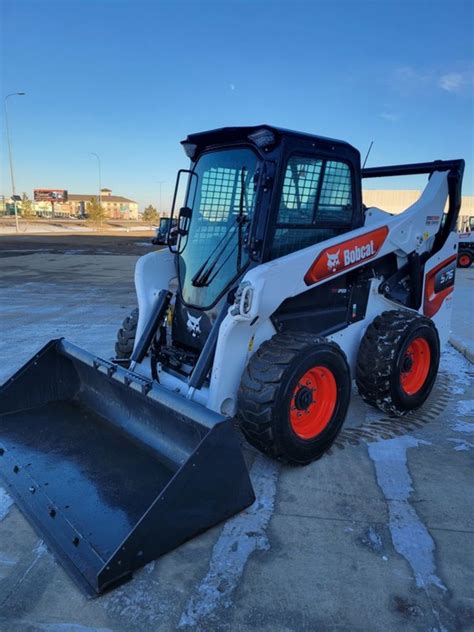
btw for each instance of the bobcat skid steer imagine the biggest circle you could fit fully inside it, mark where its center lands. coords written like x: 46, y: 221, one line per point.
x: 279, y: 291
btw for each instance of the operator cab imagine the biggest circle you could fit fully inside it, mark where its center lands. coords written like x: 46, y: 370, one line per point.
x: 253, y: 194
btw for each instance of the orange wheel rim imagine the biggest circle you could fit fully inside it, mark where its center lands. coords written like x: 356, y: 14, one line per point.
x: 415, y: 366
x: 464, y: 260
x: 313, y: 402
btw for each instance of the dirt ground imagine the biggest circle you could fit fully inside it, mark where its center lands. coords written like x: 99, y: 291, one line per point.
x: 376, y: 536
x: 134, y: 243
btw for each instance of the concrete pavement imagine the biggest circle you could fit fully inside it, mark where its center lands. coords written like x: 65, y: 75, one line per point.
x: 377, y: 535
x: 462, y: 336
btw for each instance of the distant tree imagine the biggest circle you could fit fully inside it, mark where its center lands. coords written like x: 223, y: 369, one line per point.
x: 95, y: 211
x: 27, y: 209
x: 150, y: 215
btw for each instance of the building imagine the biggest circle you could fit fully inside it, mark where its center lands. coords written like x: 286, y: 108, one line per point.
x: 115, y: 206
x: 398, y: 200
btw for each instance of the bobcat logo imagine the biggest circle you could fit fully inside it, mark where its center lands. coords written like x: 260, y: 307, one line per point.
x: 193, y: 325
x: 333, y: 261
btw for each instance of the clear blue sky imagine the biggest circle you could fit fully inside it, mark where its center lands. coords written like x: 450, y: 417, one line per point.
x: 129, y: 80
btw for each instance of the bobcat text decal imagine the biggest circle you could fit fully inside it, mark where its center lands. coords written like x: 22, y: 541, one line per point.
x: 345, y: 255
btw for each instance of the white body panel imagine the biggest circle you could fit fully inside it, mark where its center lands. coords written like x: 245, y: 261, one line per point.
x: 271, y: 283
x: 153, y: 273
x: 467, y: 238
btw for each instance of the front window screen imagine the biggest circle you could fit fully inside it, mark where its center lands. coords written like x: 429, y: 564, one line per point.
x: 225, y: 179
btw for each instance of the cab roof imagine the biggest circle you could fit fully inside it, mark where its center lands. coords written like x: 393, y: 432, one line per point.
x: 233, y: 135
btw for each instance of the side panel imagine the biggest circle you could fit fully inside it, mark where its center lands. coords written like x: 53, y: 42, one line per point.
x: 438, y: 287
x: 238, y: 340
x: 153, y: 273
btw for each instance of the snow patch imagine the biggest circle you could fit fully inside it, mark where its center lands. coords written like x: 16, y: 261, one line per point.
x: 462, y: 446
x: 240, y: 537
x: 6, y: 562
x: 36, y: 229
x: 463, y: 426
x: 457, y: 367
x: 68, y: 627
x: 465, y: 407
x: 410, y: 537
x: 5, y: 503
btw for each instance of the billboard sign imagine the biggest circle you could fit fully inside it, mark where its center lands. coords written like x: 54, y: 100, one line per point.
x: 50, y: 195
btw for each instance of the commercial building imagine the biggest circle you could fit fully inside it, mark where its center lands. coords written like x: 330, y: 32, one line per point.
x: 75, y: 204
x: 398, y: 200
x: 115, y: 206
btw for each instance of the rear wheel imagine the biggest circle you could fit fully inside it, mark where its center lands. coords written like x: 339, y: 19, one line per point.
x: 126, y: 336
x: 293, y: 397
x: 398, y: 361
x: 464, y: 259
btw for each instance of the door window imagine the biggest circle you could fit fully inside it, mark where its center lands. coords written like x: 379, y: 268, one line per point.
x: 315, y: 205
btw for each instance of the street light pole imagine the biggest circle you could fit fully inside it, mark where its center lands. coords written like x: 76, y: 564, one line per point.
x: 10, y: 153
x: 160, y: 182
x: 92, y: 153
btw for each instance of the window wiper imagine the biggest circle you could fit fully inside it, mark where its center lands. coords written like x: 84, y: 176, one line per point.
x: 203, y: 277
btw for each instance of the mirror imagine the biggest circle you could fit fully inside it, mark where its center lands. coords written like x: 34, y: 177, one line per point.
x: 184, y: 220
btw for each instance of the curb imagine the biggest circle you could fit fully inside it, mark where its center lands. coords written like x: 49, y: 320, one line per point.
x: 459, y: 346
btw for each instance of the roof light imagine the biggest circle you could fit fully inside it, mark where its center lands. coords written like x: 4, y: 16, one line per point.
x: 189, y: 149
x: 262, y: 137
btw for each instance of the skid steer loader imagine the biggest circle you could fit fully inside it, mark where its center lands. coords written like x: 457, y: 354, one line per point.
x: 280, y: 289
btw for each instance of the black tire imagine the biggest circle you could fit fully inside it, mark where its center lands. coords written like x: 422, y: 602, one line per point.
x: 464, y: 259
x: 126, y: 336
x: 270, y: 386
x: 388, y: 356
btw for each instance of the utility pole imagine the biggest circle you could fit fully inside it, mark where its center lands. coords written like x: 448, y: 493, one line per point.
x: 160, y: 182
x: 10, y: 153
x: 92, y: 153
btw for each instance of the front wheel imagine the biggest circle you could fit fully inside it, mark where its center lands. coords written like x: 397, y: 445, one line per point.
x: 293, y: 397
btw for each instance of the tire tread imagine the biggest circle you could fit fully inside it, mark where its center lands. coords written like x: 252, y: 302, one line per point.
x: 376, y: 354
x: 259, y: 388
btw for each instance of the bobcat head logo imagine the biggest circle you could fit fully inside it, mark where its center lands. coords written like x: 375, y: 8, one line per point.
x: 193, y: 325
x: 333, y: 261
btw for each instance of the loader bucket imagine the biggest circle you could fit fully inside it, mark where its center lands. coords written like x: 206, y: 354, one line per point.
x: 112, y: 469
